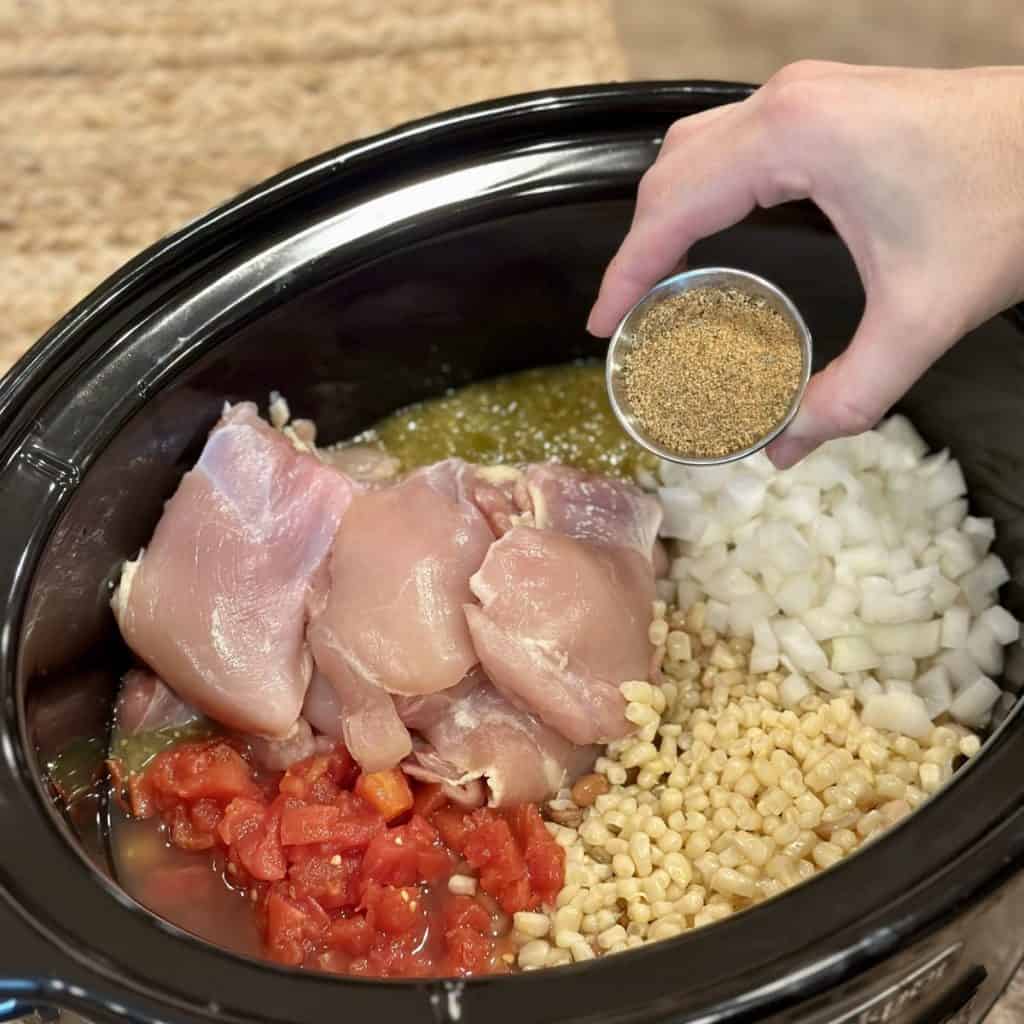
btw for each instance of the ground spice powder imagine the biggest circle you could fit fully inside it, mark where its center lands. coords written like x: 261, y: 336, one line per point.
x: 712, y: 371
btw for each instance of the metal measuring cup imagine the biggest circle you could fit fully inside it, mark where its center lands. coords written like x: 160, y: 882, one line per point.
x: 624, y: 338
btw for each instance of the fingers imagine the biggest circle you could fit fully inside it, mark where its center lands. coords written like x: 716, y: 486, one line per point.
x: 859, y: 387
x: 706, y: 179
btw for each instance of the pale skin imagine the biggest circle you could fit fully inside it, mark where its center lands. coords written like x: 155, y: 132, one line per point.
x: 922, y: 174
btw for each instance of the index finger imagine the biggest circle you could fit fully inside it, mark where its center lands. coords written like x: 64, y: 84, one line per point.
x: 700, y: 186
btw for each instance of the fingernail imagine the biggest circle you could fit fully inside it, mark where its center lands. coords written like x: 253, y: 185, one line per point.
x: 786, y: 451
x: 592, y: 325
x: 797, y: 440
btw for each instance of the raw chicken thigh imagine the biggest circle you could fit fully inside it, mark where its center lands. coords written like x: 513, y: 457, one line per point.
x: 472, y: 732
x: 146, y: 704
x: 473, y: 624
x: 360, y: 714
x: 216, y: 605
x: 399, y: 577
x: 565, y: 604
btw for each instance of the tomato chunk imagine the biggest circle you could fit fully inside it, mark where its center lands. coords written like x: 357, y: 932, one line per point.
x: 427, y: 798
x: 293, y: 926
x: 387, y: 792
x: 185, y: 834
x: 320, y: 778
x: 545, y: 859
x: 352, y: 935
x: 192, y: 771
x: 468, y: 951
x: 465, y: 912
x: 332, y: 881
x: 407, y: 854
x: 350, y: 828
x: 454, y: 827
x: 394, y: 910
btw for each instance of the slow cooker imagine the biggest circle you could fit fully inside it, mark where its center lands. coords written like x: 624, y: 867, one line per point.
x: 463, y: 246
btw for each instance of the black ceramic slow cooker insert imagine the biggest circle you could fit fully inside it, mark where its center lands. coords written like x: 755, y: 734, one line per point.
x: 463, y: 246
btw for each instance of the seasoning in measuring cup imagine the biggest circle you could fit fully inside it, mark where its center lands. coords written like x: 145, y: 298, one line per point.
x: 712, y: 371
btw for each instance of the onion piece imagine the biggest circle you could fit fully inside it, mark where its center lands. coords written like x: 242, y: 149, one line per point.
x: 974, y: 702
x: 916, y: 639
x: 955, y: 625
x: 1001, y: 624
x: 903, y: 713
x: 935, y: 689
x: 853, y: 654
x: 796, y: 641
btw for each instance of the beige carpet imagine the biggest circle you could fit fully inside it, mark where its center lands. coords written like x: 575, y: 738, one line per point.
x: 120, y: 122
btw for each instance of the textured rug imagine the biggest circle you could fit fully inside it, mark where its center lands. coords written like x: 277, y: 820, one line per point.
x: 120, y: 122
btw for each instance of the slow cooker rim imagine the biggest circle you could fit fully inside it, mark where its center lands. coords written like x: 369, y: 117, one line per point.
x: 93, y: 306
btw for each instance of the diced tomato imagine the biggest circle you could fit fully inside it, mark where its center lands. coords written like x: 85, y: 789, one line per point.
x: 350, y: 828
x: 406, y: 854
x: 320, y: 778
x: 338, y: 883
x: 334, y: 961
x: 468, y: 951
x: 294, y: 926
x: 427, y: 797
x: 453, y: 825
x: 465, y: 912
x: 205, y: 815
x: 351, y: 935
x: 360, y: 967
x: 389, y: 861
x: 398, y: 958
x: 184, y: 833
x: 241, y: 817
x: 545, y: 859
x: 140, y: 797
x: 492, y: 850
x: 258, y: 849
x: 192, y: 771
x: 388, y: 792
x: 331, y: 881
x: 394, y: 910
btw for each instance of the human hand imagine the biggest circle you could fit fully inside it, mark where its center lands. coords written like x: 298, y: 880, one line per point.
x: 922, y: 174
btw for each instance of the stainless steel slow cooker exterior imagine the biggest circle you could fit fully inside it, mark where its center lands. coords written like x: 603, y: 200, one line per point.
x: 462, y: 246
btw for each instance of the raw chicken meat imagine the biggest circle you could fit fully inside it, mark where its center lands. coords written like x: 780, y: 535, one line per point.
x: 399, y: 577
x: 146, y: 703
x: 360, y: 714
x: 280, y: 755
x: 565, y: 604
x: 216, y: 605
x: 472, y: 732
x: 362, y: 462
x: 592, y: 508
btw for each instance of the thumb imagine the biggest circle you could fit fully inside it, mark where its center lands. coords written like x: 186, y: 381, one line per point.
x: 889, y: 352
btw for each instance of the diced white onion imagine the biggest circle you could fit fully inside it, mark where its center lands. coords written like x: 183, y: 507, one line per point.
x: 859, y: 567
x: 901, y: 712
x: 955, y: 624
x: 917, y: 639
x: 897, y: 666
x: 935, y: 689
x: 984, y: 648
x: 796, y: 641
x: 853, y: 654
x: 1002, y: 625
x: 973, y: 702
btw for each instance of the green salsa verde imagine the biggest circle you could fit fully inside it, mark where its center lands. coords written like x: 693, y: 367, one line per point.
x: 558, y: 413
